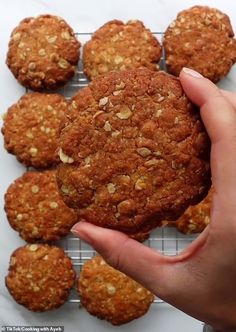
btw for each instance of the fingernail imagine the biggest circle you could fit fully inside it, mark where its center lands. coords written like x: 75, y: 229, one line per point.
x: 82, y: 235
x: 191, y: 72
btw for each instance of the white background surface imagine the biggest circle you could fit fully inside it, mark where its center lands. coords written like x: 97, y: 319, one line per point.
x: 83, y: 16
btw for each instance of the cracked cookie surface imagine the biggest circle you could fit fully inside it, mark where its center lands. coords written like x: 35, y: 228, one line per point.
x: 120, y: 46
x: 35, y: 208
x: 134, y: 151
x: 109, y: 294
x: 31, y: 128
x: 200, y: 38
x: 40, y: 277
x: 43, y: 52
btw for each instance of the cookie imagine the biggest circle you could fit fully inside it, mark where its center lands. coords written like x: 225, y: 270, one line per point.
x: 120, y: 46
x: 40, y: 277
x: 111, y: 295
x: 31, y: 128
x: 195, y: 218
x: 140, y: 236
x: 35, y: 209
x: 134, y: 151
x: 200, y: 38
x: 43, y: 52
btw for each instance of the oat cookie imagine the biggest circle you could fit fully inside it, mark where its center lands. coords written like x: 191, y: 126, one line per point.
x: 119, y: 46
x: 196, y: 217
x: 111, y: 295
x: 200, y: 38
x: 43, y: 52
x: 134, y: 151
x: 40, y: 277
x: 35, y: 209
x: 31, y: 128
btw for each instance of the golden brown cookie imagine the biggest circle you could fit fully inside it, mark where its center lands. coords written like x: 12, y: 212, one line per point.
x: 196, y: 217
x: 43, y: 52
x: 119, y: 46
x: 134, y: 151
x: 40, y: 277
x: 111, y: 295
x: 35, y: 209
x: 200, y: 38
x: 31, y: 128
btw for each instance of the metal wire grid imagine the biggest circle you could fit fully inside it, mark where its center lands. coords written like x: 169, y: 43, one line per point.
x: 166, y: 240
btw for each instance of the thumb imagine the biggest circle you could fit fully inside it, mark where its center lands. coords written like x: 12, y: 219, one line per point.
x: 147, y: 266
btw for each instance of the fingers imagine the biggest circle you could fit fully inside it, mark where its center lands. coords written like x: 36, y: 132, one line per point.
x: 219, y: 118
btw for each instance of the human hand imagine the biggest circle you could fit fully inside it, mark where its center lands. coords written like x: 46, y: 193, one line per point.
x: 201, y: 280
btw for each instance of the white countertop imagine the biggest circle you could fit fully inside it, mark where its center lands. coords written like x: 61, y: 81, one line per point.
x: 83, y: 16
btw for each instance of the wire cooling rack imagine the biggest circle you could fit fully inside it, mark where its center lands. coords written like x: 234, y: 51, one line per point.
x: 166, y: 240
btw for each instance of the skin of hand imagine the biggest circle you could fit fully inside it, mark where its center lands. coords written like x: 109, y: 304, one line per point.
x: 201, y: 280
